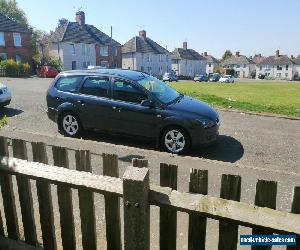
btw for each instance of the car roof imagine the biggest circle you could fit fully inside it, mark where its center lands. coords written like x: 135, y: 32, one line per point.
x: 124, y: 73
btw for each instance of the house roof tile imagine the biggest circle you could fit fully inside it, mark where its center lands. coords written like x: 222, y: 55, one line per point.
x: 234, y: 59
x: 76, y: 33
x: 211, y: 59
x: 276, y: 60
x: 189, y: 54
x: 7, y: 24
x: 143, y: 45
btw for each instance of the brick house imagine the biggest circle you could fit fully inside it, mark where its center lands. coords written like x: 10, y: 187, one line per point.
x: 15, y: 41
x: 211, y: 63
x: 79, y: 45
x: 187, y: 62
x: 243, y: 66
x: 143, y: 54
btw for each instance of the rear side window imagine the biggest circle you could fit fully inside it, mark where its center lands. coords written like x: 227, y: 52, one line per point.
x: 96, y: 86
x: 68, y: 83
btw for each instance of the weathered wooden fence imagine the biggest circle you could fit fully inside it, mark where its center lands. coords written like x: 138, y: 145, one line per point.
x: 137, y: 196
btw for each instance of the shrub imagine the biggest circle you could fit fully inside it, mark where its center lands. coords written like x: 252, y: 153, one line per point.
x: 3, y: 121
x: 15, y: 69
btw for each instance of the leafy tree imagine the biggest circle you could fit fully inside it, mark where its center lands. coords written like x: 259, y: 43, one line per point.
x: 62, y: 21
x: 11, y: 9
x: 226, y: 55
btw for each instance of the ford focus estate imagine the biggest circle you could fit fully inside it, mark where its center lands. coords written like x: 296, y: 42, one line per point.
x: 130, y: 103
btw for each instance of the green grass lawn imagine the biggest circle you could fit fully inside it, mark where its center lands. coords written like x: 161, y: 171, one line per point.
x: 258, y: 96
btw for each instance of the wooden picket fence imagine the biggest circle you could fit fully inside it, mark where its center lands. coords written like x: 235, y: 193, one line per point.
x: 137, y: 196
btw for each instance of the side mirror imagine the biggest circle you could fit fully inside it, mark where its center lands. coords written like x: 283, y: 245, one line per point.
x: 147, y: 103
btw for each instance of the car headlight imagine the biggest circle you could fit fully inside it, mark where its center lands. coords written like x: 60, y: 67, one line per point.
x: 206, y: 123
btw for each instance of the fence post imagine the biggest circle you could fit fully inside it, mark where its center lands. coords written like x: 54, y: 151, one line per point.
x: 25, y: 195
x: 228, y: 231
x: 86, y: 203
x: 139, y: 163
x: 296, y: 210
x: 64, y: 195
x: 265, y: 196
x: 136, y: 209
x: 8, y: 197
x: 197, y: 224
x: 112, y: 205
x: 167, y: 216
x: 39, y: 154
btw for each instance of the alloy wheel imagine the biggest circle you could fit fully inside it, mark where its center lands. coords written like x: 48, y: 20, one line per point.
x: 70, y: 125
x: 174, y: 141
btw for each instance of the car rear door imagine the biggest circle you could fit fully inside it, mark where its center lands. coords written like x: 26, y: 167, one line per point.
x: 129, y: 116
x: 94, y: 102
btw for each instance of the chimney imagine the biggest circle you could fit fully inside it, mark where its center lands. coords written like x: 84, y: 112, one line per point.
x: 205, y: 53
x: 292, y: 56
x: 142, y: 34
x: 251, y: 57
x: 237, y: 53
x: 259, y: 54
x: 277, y: 53
x: 80, y: 18
x: 184, y: 45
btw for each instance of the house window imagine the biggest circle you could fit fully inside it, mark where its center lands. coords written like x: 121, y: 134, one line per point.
x: 238, y: 66
x: 18, y: 58
x: 73, y: 49
x: 287, y: 67
x: 209, y: 65
x: 148, y: 58
x: 279, y: 67
x: 260, y: 67
x: 2, y: 40
x: 104, y: 64
x: 17, y: 39
x: 286, y: 75
x: 142, y: 68
x: 149, y: 70
x: 160, y: 70
x: 3, y: 56
x: 160, y: 58
x: 73, y: 65
x: 244, y: 65
x: 104, y: 50
x: 167, y: 58
x: 115, y: 51
x: 278, y: 75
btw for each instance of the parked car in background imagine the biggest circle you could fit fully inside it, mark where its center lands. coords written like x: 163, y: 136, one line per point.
x: 227, y: 79
x: 214, y: 78
x: 261, y: 76
x: 297, y: 78
x: 201, y: 78
x: 47, y: 72
x: 5, y: 96
x: 131, y: 103
x: 169, y: 77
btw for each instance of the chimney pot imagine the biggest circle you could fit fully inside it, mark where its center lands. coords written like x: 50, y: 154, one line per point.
x: 277, y: 53
x: 142, y: 34
x: 184, y: 45
x: 237, y: 53
x: 80, y: 17
x: 292, y: 56
x: 259, y: 54
x: 205, y: 53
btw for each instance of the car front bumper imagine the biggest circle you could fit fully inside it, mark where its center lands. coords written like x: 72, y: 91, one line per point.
x: 203, y: 137
x: 5, y: 98
x: 52, y: 114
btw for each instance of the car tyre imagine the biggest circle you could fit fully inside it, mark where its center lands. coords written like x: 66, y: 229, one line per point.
x: 69, y: 125
x: 175, y: 140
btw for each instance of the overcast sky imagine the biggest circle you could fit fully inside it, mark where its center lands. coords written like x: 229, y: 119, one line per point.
x: 250, y: 26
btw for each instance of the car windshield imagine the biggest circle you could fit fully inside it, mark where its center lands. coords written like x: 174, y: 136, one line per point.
x: 159, y: 89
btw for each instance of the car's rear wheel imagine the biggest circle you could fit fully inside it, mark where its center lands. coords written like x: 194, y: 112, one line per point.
x: 175, y: 140
x: 69, y: 124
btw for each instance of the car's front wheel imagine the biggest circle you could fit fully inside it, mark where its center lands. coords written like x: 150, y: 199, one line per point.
x: 69, y: 125
x: 175, y: 140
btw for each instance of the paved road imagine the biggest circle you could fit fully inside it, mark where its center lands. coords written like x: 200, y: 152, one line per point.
x: 245, y: 139
x: 254, y: 147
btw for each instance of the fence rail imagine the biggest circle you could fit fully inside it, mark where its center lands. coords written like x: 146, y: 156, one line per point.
x: 137, y: 195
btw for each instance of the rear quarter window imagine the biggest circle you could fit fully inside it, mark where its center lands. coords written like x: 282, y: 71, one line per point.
x: 68, y: 83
